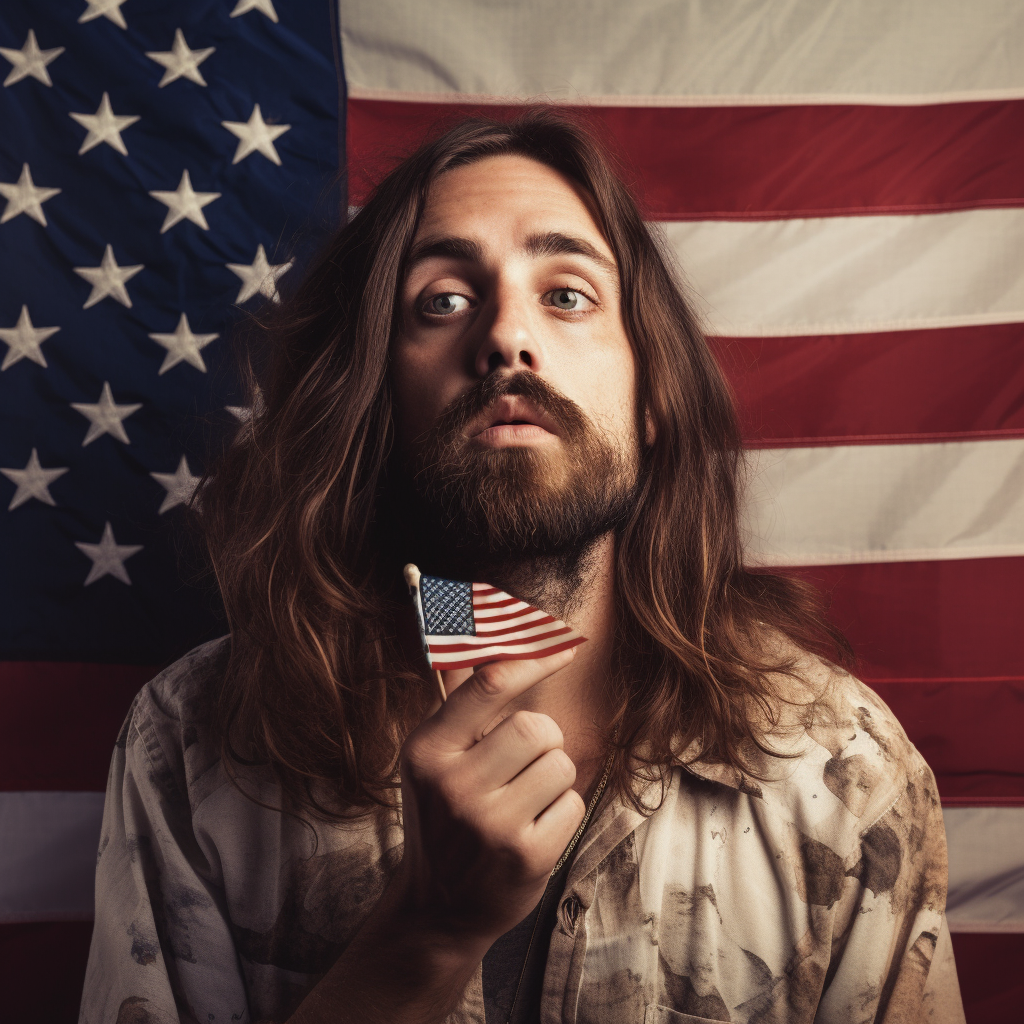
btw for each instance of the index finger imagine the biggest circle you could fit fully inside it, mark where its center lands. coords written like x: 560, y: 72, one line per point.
x: 462, y: 719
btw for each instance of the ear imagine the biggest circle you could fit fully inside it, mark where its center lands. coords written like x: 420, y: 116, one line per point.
x: 650, y: 431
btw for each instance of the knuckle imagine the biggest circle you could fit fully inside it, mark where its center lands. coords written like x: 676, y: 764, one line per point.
x: 488, y: 682
x: 536, y: 729
x: 562, y: 764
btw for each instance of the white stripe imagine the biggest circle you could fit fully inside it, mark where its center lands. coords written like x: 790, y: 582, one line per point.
x: 986, y: 869
x: 734, y: 51
x: 520, y: 620
x: 504, y: 638
x: 846, y: 275
x: 885, y: 503
x: 48, y: 844
x: 443, y: 658
x: 479, y: 601
x: 482, y: 615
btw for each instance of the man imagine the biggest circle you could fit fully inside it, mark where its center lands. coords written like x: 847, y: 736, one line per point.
x: 491, y: 372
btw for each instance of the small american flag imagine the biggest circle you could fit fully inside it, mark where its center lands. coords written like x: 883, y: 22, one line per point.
x: 466, y: 624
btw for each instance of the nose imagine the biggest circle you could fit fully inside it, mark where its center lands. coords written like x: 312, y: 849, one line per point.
x: 509, y: 341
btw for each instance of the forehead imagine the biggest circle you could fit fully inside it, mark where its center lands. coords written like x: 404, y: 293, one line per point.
x: 501, y: 196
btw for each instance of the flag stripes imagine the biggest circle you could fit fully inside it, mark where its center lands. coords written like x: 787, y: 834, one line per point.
x: 504, y: 628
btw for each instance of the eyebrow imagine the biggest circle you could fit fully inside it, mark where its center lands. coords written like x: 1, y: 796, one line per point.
x: 550, y: 243
x: 554, y: 243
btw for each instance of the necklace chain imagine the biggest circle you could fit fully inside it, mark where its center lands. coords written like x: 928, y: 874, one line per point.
x: 586, y: 817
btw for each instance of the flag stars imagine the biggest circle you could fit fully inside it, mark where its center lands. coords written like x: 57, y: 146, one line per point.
x: 255, y: 135
x: 23, y: 340
x: 104, y: 126
x: 30, y: 61
x: 108, y: 557
x: 185, y: 204
x: 108, y: 279
x: 263, y: 6
x: 23, y: 196
x: 32, y: 482
x: 110, y: 9
x: 180, y: 486
x: 105, y: 416
x: 259, y: 276
x: 183, y: 346
x: 180, y: 61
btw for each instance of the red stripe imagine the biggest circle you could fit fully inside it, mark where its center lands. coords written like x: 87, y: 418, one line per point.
x: 968, y: 730
x: 532, y: 624
x: 763, y: 162
x: 483, y: 590
x: 507, y: 655
x: 42, y: 970
x: 943, y: 645
x: 958, y: 619
x: 955, y: 383
x: 60, y: 721
x: 504, y: 644
x: 991, y: 980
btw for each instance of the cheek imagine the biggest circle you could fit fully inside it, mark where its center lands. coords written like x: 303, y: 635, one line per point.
x: 421, y: 387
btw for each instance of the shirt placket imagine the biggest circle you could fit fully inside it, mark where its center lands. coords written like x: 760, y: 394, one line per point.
x: 563, y: 976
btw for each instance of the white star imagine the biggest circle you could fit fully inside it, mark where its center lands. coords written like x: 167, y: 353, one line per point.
x: 24, y: 197
x: 185, y: 203
x: 104, y: 126
x: 263, y: 6
x: 183, y: 345
x: 180, y: 486
x: 106, y: 8
x: 259, y: 276
x: 24, y: 340
x: 105, y: 416
x: 180, y: 61
x: 255, y: 134
x: 108, y: 279
x: 33, y: 482
x: 30, y: 60
x: 108, y: 557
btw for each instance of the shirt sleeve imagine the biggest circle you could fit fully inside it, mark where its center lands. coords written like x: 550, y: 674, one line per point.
x: 162, y: 950
x: 892, y: 959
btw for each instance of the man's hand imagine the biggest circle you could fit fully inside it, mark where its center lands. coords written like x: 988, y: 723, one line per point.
x: 488, y: 805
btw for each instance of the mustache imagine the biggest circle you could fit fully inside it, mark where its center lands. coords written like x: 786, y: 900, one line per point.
x: 524, y: 384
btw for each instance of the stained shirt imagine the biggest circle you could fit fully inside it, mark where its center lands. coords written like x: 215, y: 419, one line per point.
x: 813, y: 892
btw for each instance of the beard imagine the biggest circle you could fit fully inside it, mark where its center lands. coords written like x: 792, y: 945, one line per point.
x: 523, y: 518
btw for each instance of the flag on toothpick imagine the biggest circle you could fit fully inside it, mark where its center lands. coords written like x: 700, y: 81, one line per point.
x: 466, y: 624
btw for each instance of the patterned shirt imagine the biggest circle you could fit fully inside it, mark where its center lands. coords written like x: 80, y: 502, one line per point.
x: 814, y: 892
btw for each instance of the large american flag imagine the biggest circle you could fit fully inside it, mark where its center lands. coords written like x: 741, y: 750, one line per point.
x: 843, y: 185
x: 467, y: 624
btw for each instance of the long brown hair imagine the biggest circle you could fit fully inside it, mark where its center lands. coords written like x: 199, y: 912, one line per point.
x: 317, y: 683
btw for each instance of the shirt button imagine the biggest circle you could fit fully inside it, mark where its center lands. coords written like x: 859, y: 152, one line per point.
x: 570, y: 913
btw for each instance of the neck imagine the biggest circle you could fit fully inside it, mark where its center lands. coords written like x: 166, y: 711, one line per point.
x: 577, y: 696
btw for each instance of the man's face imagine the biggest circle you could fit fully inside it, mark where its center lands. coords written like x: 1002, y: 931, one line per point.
x: 512, y: 372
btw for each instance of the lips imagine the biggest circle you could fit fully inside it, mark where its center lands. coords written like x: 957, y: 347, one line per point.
x: 512, y: 409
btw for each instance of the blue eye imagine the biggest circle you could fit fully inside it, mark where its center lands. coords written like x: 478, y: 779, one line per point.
x: 447, y: 303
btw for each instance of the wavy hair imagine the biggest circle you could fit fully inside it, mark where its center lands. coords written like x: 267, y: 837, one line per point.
x: 318, y: 683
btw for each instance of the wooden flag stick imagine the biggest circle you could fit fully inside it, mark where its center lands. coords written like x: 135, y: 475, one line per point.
x: 440, y: 684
